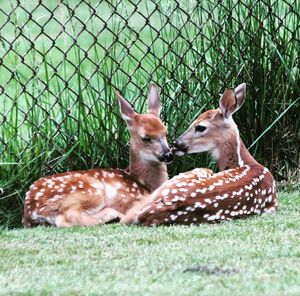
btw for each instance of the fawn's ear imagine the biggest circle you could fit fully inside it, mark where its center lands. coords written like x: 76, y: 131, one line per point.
x: 240, y: 93
x: 126, y: 109
x: 232, y: 100
x: 154, y: 104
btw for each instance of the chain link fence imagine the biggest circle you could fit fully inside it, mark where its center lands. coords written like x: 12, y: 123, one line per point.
x: 61, y: 61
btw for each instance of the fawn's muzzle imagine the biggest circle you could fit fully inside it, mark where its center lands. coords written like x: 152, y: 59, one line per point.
x: 179, y: 147
x: 166, y: 157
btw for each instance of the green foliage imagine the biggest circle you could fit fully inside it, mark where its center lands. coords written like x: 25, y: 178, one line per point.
x: 57, y: 107
x: 255, y: 256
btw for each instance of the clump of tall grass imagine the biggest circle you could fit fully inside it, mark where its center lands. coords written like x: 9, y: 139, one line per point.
x: 57, y: 108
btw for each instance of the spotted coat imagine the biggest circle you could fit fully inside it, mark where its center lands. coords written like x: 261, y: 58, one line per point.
x: 88, y: 191
x: 199, y: 196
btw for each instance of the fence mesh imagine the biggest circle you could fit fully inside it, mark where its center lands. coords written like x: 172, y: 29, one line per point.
x: 61, y: 61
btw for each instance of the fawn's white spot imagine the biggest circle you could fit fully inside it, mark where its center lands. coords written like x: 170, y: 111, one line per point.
x: 212, y: 217
x: 165, y: 192
x: 219, y: 212
x: 39, y: 194
x: 203, y: 190
x: 110, y: 191
x: 173, y: 217
x: 233, y: 213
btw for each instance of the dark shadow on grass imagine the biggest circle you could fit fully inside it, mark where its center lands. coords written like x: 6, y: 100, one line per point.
x: 212, y: 270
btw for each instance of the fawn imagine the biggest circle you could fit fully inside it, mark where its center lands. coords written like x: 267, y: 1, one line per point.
x: 242, y: 188
x: 97, y: 196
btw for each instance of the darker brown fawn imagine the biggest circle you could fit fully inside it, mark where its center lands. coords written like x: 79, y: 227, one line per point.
x: 242, y: 188
x: 97, y: 196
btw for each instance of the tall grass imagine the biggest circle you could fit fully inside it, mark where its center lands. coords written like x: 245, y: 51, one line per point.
x: 57, y: 107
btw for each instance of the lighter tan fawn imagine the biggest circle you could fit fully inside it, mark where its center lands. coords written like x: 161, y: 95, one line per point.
x: 97, y: 196
x: 242, y: 188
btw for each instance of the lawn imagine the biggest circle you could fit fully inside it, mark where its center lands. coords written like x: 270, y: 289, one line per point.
x: 61, y: 62
x: 258, y: 256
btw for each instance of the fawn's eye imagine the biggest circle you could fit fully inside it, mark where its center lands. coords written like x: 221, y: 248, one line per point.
x: 200, y: 128
x: 146, y: 139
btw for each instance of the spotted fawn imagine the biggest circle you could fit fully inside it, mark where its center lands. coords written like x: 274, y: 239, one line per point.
x: 97, y: 196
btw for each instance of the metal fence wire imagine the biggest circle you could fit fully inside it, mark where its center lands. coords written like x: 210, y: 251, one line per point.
x: 61, y: 61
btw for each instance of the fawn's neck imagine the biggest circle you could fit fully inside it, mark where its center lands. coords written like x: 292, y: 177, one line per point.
x: 150, y: 174
x: 233, y: 153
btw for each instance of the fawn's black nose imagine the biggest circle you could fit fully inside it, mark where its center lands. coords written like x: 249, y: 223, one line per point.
x: 168, y: 157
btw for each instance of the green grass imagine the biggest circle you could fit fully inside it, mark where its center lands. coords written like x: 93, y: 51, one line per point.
x: 57, y: 102
x: 256, y: 256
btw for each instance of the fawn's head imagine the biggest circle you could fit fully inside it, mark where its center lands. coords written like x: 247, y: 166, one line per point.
x: 213, y: 128
x: 148, y: 133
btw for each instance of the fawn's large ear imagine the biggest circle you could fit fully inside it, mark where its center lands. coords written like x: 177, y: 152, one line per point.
x: 126, y: 109
x: 154, y: 104
x: 240, y: 94
x: 232, y: 100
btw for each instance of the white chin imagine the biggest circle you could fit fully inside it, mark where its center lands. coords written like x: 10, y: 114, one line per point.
x: 180, y: 153
x: 215, y: 153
